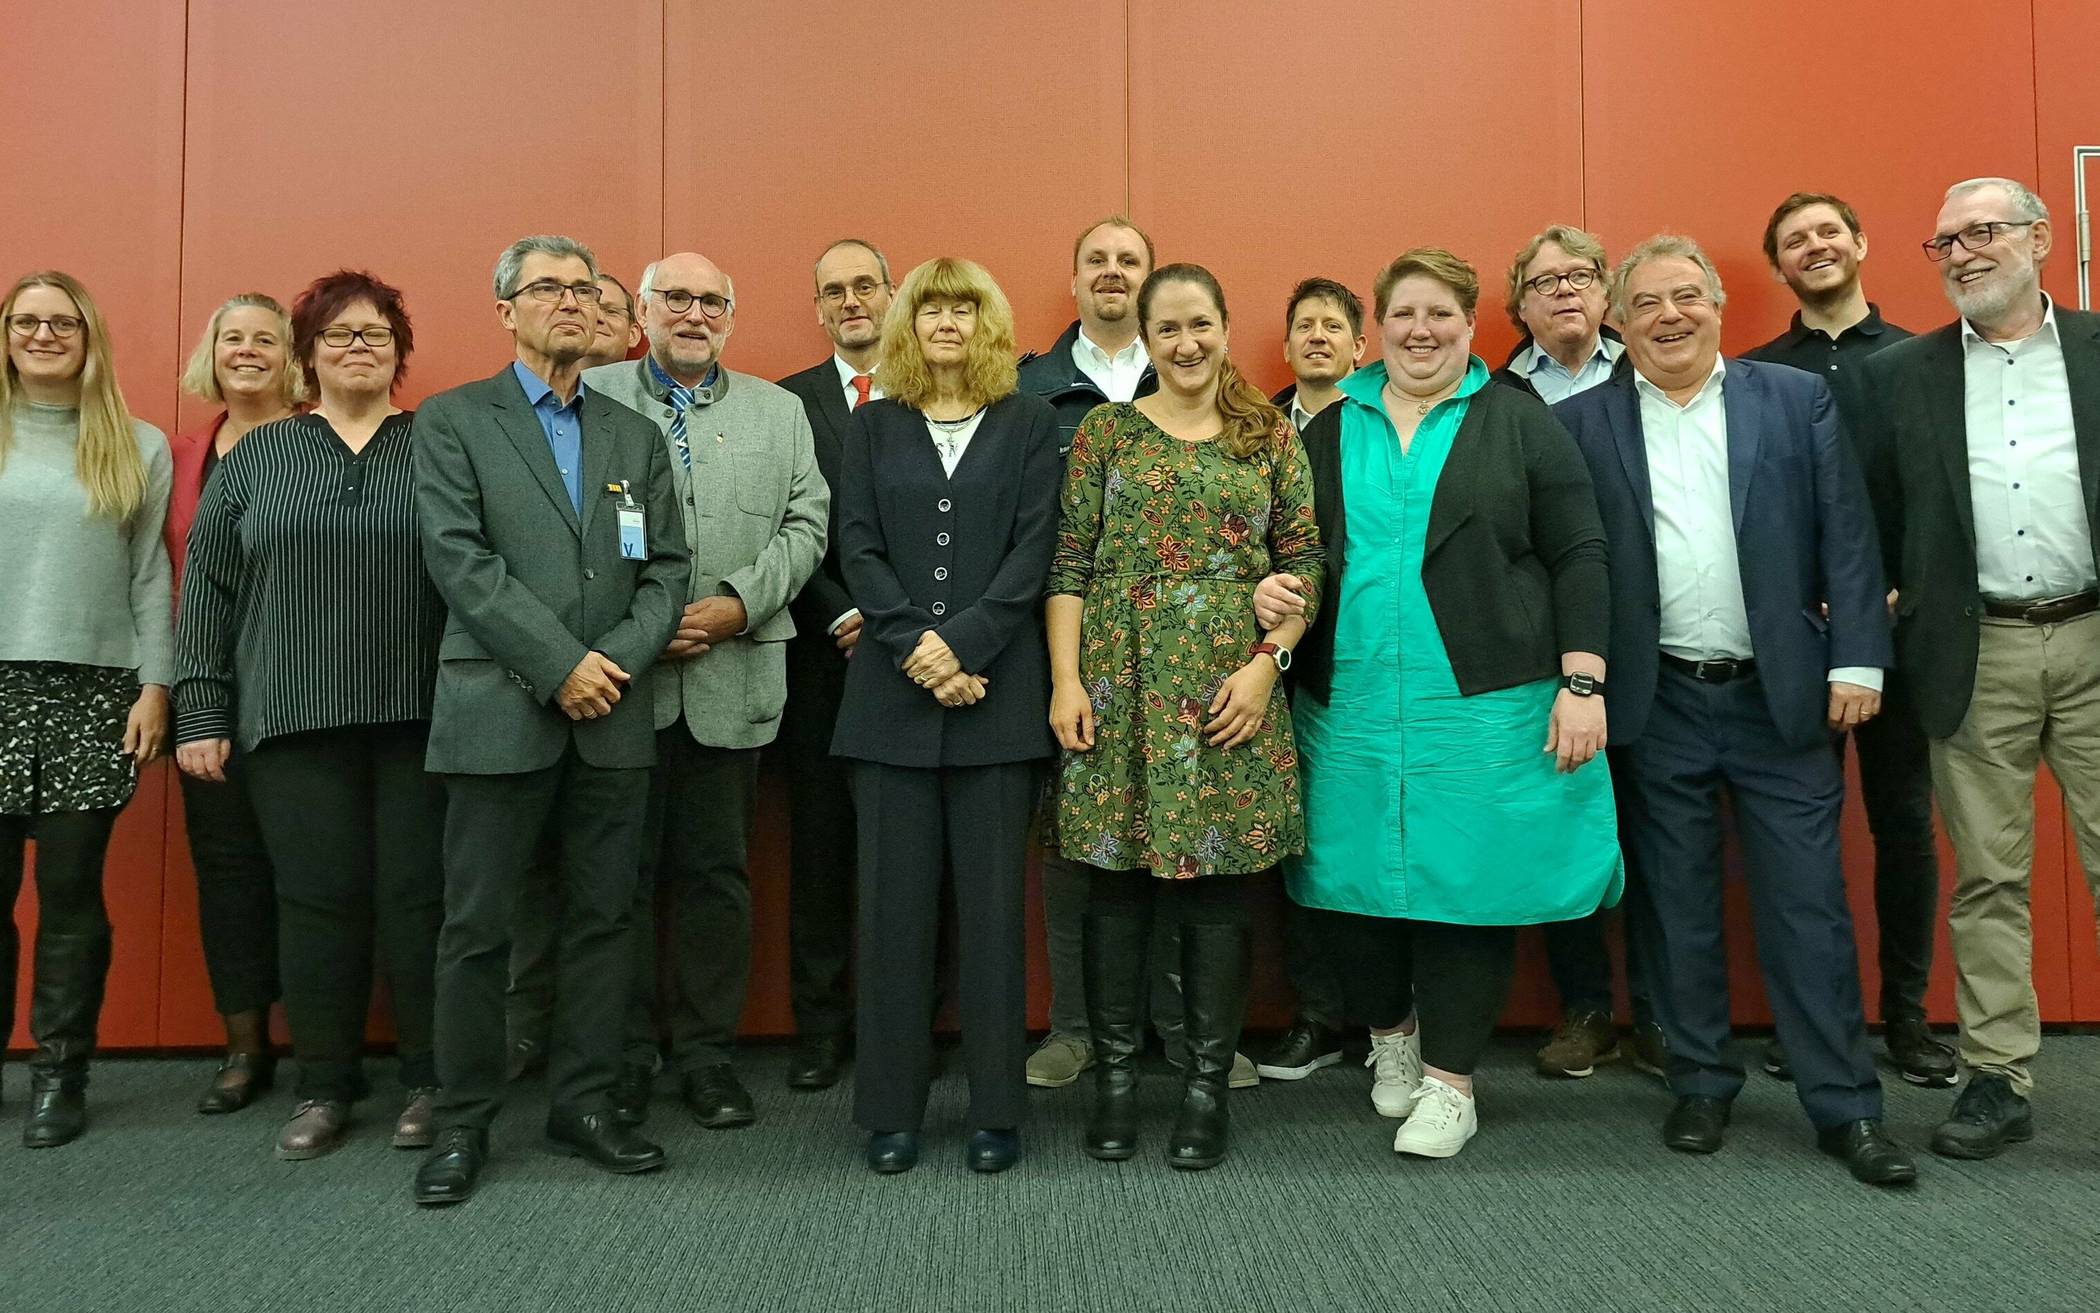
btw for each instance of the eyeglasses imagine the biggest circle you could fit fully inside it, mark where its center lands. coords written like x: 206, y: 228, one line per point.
x: 61, y: 326
x: 862, y: 289
x: 371, y: 337
x: 548, y: 292
x: 1974, y: 237
x: 678, y: 302
x: 1576, y: 279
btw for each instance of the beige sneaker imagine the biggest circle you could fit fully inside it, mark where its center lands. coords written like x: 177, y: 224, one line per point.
x: 1396, y: 1063
x: 1443, y: 1120
x: 1244, y: 1076
x: 1582, y: 1042
x: 1058, y: 1060
x: 317, y: 1127
x: 416, y: 1127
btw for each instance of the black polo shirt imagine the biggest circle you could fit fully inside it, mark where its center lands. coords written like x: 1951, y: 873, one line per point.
x: 1836, y: 360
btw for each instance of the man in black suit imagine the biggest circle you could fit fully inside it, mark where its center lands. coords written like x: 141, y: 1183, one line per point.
x: 1814, y: 245
x: 852, y: 294
x: 1748, y: 622
x: 1983, y: 451
x: 550, y: 527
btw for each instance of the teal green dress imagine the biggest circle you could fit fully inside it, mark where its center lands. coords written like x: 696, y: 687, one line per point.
x: 1419, y: 802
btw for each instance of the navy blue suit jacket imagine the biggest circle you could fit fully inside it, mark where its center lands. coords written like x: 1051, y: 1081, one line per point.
x: 1804, y: 536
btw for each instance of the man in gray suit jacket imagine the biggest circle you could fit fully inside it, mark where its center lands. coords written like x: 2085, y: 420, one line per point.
x: 754, y: 508
x: 550, y: 528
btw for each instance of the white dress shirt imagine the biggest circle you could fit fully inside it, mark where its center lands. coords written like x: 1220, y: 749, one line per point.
x: 2032, y: 539
x: 1300, y: 416
x: 1116, y: 375
x: 1536, y: 366
x: 1700, y: 577
x: 952, y: 440
x: 846, y: 376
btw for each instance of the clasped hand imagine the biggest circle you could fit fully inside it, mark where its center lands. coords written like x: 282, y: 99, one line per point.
x: 591, y: 688
x: 703, y: 624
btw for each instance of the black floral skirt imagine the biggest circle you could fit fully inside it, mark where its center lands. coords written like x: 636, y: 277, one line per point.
x: 62, y: 737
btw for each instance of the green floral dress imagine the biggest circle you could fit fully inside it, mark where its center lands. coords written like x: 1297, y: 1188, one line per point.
x: 1165, y: 540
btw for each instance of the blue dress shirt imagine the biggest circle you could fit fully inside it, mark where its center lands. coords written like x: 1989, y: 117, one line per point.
x: 563, y: 426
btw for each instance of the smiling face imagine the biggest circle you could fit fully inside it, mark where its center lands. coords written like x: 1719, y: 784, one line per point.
x: 688, y: 344
x: 1185, y: 335
x: 1673, y: 327
x: 1320, y: 347
x: 43, y: 357
x: 944, y: 326
x: 1426, y: 336
x: 1818, y: 254
x: 1564, y: 318
x: 852, y: 296
x: 360, y: 369
x: 617, y: 332
x: 1987, y: 286
x: 250, y: 355
x: 1112, y: 265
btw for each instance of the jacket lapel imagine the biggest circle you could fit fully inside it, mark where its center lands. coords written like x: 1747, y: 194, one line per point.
x: 597, y: 450
x: 831, y: 405
x: 1745, y: 435
x: 1943, y: 400
x: 1632, y: 443
x: 514, y: 415
x: 2082, y: 372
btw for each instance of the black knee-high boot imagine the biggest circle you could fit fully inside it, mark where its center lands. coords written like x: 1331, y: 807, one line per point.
x: 1215, y: 959
x: 65, y: 1004
x: 1113, y: 959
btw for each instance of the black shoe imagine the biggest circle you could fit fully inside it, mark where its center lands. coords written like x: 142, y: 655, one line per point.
x: 716, y: 1098
x: 817, y: 1062
x: 454, y: 1164
x: 1987, y: 1117
x: 527, y: 1054
x: 1695, y: 1124
x: 1202, y: 1129
x: 1776, y: 1062
x: 1868, y: 1150
x: 993, y: 1151
x: 1919, y: 1058
x: 239, y: 1078
x: 1214, y: 968
x: 57, y: 1114
x: 890, y: 1152
x: 601, y: 1140
x: 1302, y: 1050
x: 630, y: 1094
x: 1112, y: 958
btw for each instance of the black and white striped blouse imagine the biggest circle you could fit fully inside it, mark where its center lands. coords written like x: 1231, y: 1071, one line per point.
x: 305, y: 602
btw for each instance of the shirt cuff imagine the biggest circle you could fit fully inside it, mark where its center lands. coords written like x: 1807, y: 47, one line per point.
x: 1864, y: 676
x: 195, y: 724
x: 833, y: 628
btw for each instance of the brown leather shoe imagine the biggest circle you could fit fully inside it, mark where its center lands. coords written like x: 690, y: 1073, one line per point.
x: 317, y: 1128
x: 416, y: 1127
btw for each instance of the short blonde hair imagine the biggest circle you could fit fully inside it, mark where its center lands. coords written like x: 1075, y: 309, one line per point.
x: 1664, y: 246
x: 1431, y: 262
x: 106, y: 456
x: 1576, y: 242
x: 989, y: 373
x: 200, y: 378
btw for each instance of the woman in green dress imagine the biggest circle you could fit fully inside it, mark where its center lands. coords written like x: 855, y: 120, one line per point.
x: 1448, y: 698
x: 1179, y: 777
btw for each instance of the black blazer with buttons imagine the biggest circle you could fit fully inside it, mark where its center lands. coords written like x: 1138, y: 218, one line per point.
x: 965, y: 557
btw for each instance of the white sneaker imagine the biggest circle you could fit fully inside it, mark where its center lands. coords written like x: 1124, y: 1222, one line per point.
x: 1444, y: 1119
x: 1396, y: 1061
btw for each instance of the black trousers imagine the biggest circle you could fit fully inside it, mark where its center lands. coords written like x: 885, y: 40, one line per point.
x: 1895, y: 783
x: 696, y: 872
x: 976, y: 817
x: 1453, y: 979
x: 529, y: 1000
x: 72, y: 934
x: 493, y: 826
x: 1577, y: 953
x: 1310, y: 967
x: 353, y: 827
x: 236, y: 890
x: 820, y: 840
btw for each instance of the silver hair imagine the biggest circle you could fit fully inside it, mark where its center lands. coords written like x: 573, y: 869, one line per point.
x: 2024, y: 202
x: 648, y: 283
x: 881, y: 261
x: 513, y: 259
x: 1663, y: 246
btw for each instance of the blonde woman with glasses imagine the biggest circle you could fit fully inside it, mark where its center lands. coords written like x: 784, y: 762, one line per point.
x: 84, y: 662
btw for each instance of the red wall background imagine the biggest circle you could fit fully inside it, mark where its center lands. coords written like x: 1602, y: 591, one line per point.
x: 174, y: 152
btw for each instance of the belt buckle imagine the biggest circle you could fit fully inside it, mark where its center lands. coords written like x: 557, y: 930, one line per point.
x: 1716, y: 671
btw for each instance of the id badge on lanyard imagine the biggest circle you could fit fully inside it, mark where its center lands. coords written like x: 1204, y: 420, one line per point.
x: 634, y: 525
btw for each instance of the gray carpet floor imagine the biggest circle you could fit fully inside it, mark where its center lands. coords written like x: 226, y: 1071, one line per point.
x: 1566, y: 1200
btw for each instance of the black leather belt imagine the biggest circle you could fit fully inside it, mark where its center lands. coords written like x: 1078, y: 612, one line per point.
x: 1712, y: 672
x: 2047, y: 611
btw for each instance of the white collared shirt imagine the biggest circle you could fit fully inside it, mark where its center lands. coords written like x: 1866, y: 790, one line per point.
x: 2032, y: 539
x: 1697, y: 570
x: 846, y: 376
x: 1116, y: 375
x: 1552, y: 380
x: 1300, y: 416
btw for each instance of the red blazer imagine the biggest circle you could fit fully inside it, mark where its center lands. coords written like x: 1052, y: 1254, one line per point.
x: 189, y: 451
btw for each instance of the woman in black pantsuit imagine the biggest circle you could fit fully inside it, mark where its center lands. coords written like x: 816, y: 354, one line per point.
x: 948, y: 513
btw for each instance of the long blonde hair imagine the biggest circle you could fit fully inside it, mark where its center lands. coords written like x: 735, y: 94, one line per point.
x: 107, y: 452
x: 989, y: 373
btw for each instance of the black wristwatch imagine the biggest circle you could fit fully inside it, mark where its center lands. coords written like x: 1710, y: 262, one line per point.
x: 1582, y: 684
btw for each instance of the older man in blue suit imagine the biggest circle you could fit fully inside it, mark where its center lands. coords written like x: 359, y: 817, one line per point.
x: 1748, y: 624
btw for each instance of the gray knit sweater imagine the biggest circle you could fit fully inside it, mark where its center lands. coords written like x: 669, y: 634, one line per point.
x: 78, y: 587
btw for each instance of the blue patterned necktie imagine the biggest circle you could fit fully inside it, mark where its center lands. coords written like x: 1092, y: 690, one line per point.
x: 681, y: 398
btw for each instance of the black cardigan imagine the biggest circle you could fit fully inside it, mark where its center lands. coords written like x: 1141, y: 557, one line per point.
x: 1515, y: 561
x: 965, y: 557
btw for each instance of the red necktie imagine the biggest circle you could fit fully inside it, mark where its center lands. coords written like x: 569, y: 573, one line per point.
x: 861, y: 384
